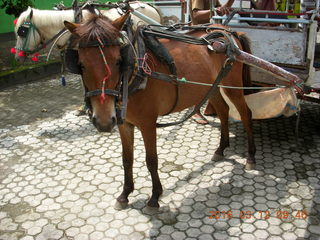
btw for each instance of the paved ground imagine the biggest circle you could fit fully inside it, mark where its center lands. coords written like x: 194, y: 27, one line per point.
x: 59, y: 178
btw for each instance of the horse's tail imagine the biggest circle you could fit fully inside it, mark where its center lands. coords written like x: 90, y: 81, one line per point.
x: 246, y: 76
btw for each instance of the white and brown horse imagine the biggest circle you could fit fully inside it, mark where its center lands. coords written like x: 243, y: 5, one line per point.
x: 43, y: 25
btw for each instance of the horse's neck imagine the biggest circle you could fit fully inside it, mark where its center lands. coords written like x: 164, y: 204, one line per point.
x: 50, y: 22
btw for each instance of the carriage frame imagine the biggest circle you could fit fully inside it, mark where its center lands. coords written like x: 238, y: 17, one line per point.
x: 292, y: 45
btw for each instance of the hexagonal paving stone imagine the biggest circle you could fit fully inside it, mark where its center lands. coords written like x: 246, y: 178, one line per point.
x: 60, y: 177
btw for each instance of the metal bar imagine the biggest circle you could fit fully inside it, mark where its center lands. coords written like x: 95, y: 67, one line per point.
x: 165, y: 2
x: 186, y: 17
x: 312, y: 41
x: 274, y: 20
x: 270, y: 13
x: 145, y: 18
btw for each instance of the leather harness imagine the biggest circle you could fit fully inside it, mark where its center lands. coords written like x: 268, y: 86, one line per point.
x: 132, y: 76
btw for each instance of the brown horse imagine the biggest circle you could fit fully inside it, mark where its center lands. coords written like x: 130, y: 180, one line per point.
x: 195, y: 62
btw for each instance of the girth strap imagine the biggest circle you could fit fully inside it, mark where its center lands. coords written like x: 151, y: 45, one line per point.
x: 97, y: 92
x: 223, y: 72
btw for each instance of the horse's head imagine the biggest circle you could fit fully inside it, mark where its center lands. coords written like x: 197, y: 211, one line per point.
x: 99, y: 56
x: 27, y: 34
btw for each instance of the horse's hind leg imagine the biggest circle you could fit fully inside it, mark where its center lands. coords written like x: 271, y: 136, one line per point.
x: 222, y: 110
x: 149, y: 137
x: 237, y: 98
x: 127, y: 138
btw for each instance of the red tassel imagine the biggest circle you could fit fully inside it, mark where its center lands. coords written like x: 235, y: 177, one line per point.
x: 34, y: 59
x: 13, y: 50
x: 21, y: 54
x: 102, y: 96
x: 15, y: 21
x: 36, y: 54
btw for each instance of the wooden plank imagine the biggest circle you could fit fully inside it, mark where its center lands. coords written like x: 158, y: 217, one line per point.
x: 277, y: 46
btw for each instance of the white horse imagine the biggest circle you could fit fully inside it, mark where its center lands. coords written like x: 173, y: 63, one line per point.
x: 42, y: 25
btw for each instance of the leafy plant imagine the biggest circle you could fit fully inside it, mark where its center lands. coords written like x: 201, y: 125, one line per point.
x: 15, y: 7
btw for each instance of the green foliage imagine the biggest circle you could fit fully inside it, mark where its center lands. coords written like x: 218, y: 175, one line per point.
x: 15, y: 7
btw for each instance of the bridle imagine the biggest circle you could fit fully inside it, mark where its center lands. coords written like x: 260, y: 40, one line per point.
x: 120, y: 93
x: 25, y: 31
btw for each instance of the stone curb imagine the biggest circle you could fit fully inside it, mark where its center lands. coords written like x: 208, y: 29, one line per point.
x: 29, y: 74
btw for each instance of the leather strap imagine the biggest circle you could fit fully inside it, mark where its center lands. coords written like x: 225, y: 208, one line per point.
x: 99, y: 91
x: 213, y: 89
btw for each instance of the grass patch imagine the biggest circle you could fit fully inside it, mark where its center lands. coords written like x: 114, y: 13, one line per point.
x: 26, y: 67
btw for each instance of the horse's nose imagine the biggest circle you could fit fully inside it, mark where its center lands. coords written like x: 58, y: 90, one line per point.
x: 107, y: 127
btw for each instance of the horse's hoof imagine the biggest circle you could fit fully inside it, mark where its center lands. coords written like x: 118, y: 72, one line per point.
x: 250, y: 166
x: 151, y: 210
x: 153, y: 204
x: 217, y: 157
x: 120, y: 205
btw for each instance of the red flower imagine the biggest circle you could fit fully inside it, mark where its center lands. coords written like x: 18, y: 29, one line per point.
x: 34, y: 59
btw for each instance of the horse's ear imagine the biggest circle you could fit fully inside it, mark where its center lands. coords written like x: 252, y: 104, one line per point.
x: 119, y: 22
x: 30, y: 14
x: 71, y: 26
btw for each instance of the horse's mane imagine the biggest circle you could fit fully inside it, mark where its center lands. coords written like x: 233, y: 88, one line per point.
x: 97, y: 27
x: 46, y: 17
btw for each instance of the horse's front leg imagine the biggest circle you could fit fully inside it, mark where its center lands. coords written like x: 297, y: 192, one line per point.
x: 127, y: 138
x: 150, y: 141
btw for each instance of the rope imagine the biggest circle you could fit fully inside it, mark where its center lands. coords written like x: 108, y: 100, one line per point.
x: 107, y: 76
x: 145, y: 66
x: 184, y: 80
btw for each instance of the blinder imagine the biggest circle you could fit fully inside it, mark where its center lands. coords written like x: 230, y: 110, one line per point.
x: 23, y: 30
x: 72, y: 61
x: 27, y: 29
